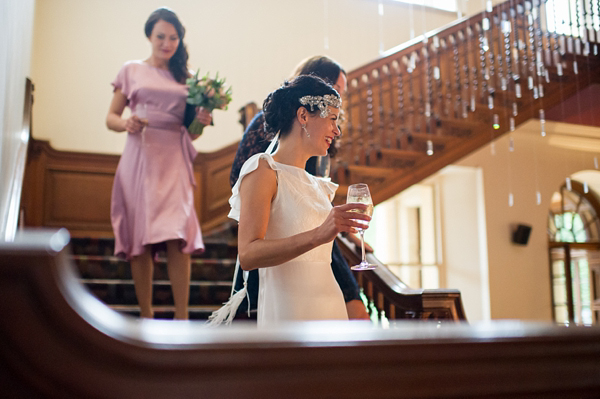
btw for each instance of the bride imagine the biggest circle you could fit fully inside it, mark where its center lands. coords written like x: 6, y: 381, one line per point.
x: 286, y: 221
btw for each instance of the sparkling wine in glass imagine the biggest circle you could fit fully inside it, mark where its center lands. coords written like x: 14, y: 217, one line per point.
x: 359, y: 193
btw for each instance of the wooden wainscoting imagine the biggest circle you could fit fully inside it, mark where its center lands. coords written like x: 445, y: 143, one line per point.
x: 73, y: 190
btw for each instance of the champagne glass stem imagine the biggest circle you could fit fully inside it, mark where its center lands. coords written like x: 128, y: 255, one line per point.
x: 362, y: 246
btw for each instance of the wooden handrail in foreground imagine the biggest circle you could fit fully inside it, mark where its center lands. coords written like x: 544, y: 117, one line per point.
x: 57, y: 340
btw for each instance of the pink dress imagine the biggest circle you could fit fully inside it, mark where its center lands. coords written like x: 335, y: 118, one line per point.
x: 153, y: 192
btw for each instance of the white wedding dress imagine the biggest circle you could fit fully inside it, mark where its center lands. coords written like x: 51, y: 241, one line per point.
x: 303, y: 288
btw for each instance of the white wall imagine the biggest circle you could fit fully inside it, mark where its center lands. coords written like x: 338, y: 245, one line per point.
x: 79, y: 47
x: 16, y: 21
x: 497, y: 279
x: 519, y: 276
x: 463, y: 251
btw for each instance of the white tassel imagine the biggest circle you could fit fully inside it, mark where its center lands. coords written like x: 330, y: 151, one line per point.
x: 227, y: 312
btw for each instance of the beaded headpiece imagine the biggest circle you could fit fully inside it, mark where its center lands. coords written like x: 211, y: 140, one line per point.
x: 322, y: 102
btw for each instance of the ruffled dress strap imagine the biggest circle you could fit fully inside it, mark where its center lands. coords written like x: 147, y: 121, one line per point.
x: 249, y: 166
x: 328, y: 187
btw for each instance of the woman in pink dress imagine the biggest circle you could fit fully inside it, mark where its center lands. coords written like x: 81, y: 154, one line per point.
x: 153, y: 192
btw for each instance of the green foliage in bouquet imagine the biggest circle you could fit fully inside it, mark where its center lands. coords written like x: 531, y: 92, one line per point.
x: 207, y: 93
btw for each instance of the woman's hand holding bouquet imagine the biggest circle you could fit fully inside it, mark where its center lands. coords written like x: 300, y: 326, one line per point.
x: 207, y: 94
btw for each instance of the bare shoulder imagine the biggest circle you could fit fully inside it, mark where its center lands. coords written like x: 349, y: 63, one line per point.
x: 263, y: 179
x: 264, y: 173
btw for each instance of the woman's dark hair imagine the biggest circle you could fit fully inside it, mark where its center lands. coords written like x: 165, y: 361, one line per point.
x: 321, y: 66
x: 280, y: 106
x: 178, y: 62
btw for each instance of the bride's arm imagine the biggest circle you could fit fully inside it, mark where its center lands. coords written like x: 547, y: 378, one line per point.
x: 257, y: 191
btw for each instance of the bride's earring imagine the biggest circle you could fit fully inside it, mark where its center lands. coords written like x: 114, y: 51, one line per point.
x: 305, y: 131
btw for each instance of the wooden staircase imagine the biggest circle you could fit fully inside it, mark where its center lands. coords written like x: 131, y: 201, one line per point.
x: 429, y: 103
x: 442, y: 96
x: 109, y: 277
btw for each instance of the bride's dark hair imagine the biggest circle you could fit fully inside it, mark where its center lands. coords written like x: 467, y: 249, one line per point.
x: 178, y: 62
x: 281, y: 105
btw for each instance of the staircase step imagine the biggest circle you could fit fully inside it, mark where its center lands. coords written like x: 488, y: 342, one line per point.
x: 196, y: 312
x: 99, y: 267
x: 122, y: 292
x: 108, y: 277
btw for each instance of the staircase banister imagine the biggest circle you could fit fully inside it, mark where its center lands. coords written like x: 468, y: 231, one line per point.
x: 415, y: 44
x: 397, y: 293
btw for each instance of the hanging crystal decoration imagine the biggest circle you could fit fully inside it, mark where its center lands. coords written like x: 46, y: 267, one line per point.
x: 595, y: 162
x: 568, y: 183
x: 489, y: 6
x: 575, y: 68
x: 511, y: 144
x: 518, y: 89
x: 559, y: 69
x: 586, y: 189
x: 562, y: 45
x: 511, y: 200
x: 512, y: 124
x: 429, y: 147
x: 542, y: 123
x: 541, y: 90
x: 538, y: 197
x: 515, y: 109
x: 493, y: 148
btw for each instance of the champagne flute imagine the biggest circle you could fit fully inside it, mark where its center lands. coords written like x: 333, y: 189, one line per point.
x: 359, y: 193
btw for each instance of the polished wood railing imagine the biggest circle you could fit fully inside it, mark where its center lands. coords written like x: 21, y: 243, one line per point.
x: 58, y: 341
x: 389, y: 298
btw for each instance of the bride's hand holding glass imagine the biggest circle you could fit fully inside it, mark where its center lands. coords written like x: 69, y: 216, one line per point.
x: 349, y: 218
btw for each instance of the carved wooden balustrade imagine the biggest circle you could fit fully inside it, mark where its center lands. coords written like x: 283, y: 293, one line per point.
x: 438, y: 98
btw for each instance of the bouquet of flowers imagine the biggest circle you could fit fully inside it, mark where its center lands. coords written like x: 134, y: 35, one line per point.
x: 207, y: 93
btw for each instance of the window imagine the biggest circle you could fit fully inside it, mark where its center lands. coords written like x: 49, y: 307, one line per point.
x: 574, y: 240
x: 563, y: 17
x: 446, y: 5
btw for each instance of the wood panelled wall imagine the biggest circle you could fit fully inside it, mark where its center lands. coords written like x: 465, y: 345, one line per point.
x: 73, y: 190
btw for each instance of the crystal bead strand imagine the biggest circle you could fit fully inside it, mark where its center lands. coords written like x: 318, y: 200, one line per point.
x: 400, y: 94
x: 370, y: 120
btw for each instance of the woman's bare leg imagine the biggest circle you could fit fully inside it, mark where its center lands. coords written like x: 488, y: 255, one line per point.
x: 179, y: 268
x: 142, y: 269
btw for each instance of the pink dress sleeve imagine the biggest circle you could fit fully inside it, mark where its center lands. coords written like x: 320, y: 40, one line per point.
x: 122, y: 81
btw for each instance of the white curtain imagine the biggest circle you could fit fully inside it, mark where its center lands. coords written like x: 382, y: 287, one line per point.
x: 16, y: 31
